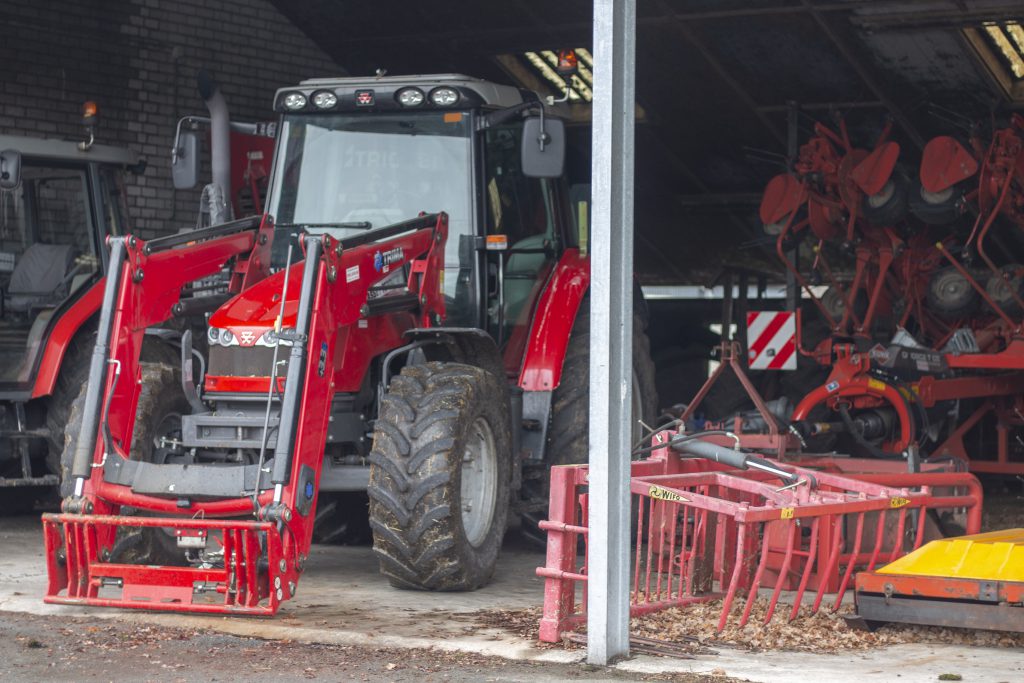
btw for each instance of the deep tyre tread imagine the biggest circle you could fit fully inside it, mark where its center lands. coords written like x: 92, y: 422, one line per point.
x: 569, y: 430
x: 415, y: 476
x: 160, y: 395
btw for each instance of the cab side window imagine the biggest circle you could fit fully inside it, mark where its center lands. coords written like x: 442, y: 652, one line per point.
x: 522, y: 209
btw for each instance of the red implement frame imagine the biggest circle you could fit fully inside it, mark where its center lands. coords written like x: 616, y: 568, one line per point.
x: 150, y: 284
x: 73, y: 544
x: 706, y: 533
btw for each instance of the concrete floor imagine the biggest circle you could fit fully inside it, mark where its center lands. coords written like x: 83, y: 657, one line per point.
x: 343, y: 600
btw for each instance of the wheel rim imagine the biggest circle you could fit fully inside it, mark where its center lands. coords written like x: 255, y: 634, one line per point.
x: 479, y: 488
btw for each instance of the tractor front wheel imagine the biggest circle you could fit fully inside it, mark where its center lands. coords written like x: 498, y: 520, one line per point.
x: 439, y: 477
x: 157, y: 419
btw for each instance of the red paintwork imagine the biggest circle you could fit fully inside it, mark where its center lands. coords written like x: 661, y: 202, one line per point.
x: 242, y: 584
x: 255, y: 311
x: 944, y: 163
x: 552, y: 323
x: 783, y: 195
x: 335, y: 314
x: 742, y: 532
x: 63, y: 332
x: 874, y: 171
x: 250, y: 158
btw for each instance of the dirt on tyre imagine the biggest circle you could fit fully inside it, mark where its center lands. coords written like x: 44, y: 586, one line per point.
x: 440, y: 470
x: 158, y: 415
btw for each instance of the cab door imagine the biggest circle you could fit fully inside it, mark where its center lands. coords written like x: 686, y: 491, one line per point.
x: 523, y: 240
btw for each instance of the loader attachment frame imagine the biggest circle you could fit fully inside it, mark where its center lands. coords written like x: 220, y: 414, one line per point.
x: 264, y: 532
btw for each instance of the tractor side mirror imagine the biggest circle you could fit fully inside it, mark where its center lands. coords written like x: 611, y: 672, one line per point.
x: 185, y: 160
x: 543, y: 147
x: 10, y: 169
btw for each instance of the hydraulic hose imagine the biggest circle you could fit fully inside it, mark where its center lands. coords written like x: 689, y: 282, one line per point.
x: 732, y: 458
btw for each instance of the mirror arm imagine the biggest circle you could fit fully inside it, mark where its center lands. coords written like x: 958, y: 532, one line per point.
x: 194, y: 121
x: 543, y: 138
x: 496, y: 118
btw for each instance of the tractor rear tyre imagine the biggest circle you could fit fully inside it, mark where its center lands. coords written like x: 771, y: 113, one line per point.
x: 568, y: 441
x: 158, y: 415
x: 440, y: 469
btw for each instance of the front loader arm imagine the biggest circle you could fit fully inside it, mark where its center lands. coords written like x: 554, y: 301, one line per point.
x: 143, y: 283
x: 337, y: 296
x: 262, y: 558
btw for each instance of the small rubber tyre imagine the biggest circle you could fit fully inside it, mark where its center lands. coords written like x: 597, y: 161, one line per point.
x: 935, y: 209
x: 950, y: 295
x: 890, y: 205
x: 440, y: 472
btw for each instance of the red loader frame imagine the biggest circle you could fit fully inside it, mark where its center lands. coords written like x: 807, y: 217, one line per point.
x: 262, y: 558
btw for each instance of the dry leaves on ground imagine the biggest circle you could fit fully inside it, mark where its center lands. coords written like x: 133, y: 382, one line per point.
x: 694, y: 627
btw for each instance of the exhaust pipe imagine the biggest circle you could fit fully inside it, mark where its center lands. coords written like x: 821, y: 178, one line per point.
x: 220, y: 143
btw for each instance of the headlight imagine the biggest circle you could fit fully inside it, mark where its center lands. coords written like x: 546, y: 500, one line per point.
x: 226, y: 337
x: 410, y: 97
x: 294, y: 101
x: 324, y: 99
x: 269, y: 338
x: 444, y: 97
x: 213, y: 335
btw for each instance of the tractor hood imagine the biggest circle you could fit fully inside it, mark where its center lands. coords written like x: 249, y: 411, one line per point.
x: 243, y: 320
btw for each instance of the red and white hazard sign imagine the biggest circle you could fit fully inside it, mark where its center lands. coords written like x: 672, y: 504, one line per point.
x: 771, y: 340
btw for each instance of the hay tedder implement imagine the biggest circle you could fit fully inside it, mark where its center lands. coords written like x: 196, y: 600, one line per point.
x: 925, y: 358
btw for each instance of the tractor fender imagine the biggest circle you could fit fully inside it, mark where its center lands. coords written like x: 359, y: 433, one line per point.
x: 61, y: 336
x: 468, y: 345
x: 552, y: 323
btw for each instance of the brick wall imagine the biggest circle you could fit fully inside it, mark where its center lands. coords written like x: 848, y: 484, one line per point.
x: 138, y: 60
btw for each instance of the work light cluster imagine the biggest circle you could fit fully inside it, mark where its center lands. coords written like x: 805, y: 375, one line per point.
x: 442, y: 96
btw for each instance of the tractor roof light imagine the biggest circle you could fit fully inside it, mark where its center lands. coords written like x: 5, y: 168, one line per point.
x: 410, y: 97
x: 324, y: 99
x: 294, y: 101
x: 444, y: 96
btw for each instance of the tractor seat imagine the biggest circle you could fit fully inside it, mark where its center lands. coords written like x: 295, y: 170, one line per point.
x: 39, y: 278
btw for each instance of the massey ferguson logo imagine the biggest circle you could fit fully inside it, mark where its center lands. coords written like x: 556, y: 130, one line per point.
x: 247, y: 338
x: 382, y: 261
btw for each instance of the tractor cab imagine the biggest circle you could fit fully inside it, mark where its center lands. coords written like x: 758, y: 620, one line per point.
x: 357, y: 155
x: 54, y: 217
x: 58, y: 202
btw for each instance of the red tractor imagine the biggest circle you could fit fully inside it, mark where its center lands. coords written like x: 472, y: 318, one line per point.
x: 409, y: 317
x: 59, y: 201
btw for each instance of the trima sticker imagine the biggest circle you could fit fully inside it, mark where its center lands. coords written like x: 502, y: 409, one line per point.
x: 383, y: 260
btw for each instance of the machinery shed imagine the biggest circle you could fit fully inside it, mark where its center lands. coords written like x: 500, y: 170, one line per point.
x: 722, y: 319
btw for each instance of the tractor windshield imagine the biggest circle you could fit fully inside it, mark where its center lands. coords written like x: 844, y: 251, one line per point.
x: 345, y: 173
